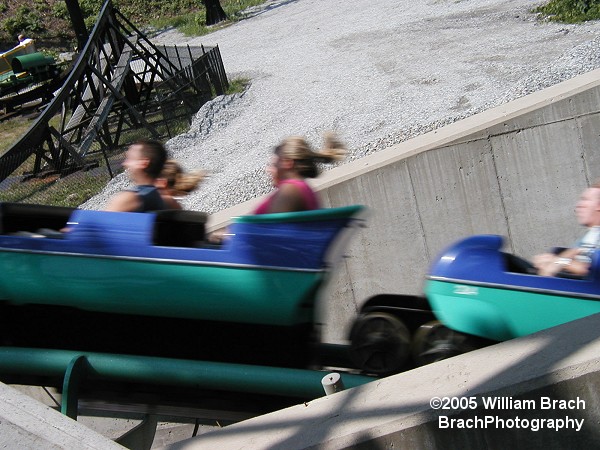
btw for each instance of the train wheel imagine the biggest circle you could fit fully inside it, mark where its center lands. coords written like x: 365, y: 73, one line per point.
x: 380, y: 343
x: 433, y: 342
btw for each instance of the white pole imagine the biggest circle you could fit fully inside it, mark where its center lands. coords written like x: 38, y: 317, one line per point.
x: 332, y: 383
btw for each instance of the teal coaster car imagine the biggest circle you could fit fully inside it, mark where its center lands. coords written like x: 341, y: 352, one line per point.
x: 475, y: 288
x: 149, y: 284
x: 475, y: 295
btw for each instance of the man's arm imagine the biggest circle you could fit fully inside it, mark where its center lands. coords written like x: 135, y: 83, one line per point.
x: 550, y: 265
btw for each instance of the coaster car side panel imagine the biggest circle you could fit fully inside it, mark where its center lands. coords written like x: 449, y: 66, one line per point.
x: 269, y: 272
x: 472, y: 291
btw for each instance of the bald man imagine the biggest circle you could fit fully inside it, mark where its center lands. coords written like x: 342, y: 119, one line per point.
x: 577, y: 260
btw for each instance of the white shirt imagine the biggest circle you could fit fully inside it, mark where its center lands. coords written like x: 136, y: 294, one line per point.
x: 588, y: 244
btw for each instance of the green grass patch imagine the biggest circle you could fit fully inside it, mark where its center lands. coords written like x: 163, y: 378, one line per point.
x: 179, y: 127
x: 237, y: 86
x: 73, y: 190
x: 70, y: 191
x: 11, y: 130
x: 570, y: 11
x: 194, y: 23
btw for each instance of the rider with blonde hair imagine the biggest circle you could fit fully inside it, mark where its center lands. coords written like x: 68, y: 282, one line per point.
x: 292, y: 163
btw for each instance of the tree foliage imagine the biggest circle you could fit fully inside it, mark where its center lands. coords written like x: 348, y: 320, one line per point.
x: 24, y: 20
x: 49, y: 23
x: 571, y: 11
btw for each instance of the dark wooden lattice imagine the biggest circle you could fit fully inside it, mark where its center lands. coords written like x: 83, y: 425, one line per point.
x: 120, y: 83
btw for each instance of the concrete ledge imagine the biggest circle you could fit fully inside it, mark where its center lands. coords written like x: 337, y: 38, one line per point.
x: 28, y: 424
x: 561, y: 363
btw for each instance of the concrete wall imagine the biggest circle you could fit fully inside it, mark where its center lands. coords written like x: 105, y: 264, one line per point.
x: 559, y: 364
x: 515, y: 170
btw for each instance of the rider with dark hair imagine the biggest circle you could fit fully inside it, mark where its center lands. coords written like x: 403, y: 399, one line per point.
x: 144, y: 162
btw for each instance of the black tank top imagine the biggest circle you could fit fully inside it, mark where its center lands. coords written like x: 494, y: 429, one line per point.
x: 150, y: 199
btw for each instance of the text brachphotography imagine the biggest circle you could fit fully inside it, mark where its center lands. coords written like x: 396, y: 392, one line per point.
x: 490, y: 421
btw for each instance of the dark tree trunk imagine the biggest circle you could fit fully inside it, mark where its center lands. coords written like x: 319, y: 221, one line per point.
x: 214, y: 12
x: 78, y: 23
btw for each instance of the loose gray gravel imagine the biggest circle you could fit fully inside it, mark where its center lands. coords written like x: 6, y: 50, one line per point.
x: 377, y: 72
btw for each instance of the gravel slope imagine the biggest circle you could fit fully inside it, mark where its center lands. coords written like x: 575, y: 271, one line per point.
x: 375, y: 71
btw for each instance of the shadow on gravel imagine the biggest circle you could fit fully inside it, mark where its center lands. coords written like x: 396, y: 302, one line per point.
x: 265, y: 7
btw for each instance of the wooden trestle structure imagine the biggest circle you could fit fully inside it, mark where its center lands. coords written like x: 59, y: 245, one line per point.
x: 120, y: 82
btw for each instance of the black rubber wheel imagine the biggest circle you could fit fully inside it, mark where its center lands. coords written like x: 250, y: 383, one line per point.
x: 434, y: 342
x: 380, y: 343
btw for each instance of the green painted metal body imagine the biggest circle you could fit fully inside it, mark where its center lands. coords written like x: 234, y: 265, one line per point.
x: 303, y: 216
x: 159, y: 288
x: 503, y: 313
x: 303, y: 384
x: 26, y: 69
x: 31, y: 62
x: 269, y: 272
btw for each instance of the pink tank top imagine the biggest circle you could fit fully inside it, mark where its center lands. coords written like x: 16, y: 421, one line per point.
x: 310, y: 198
